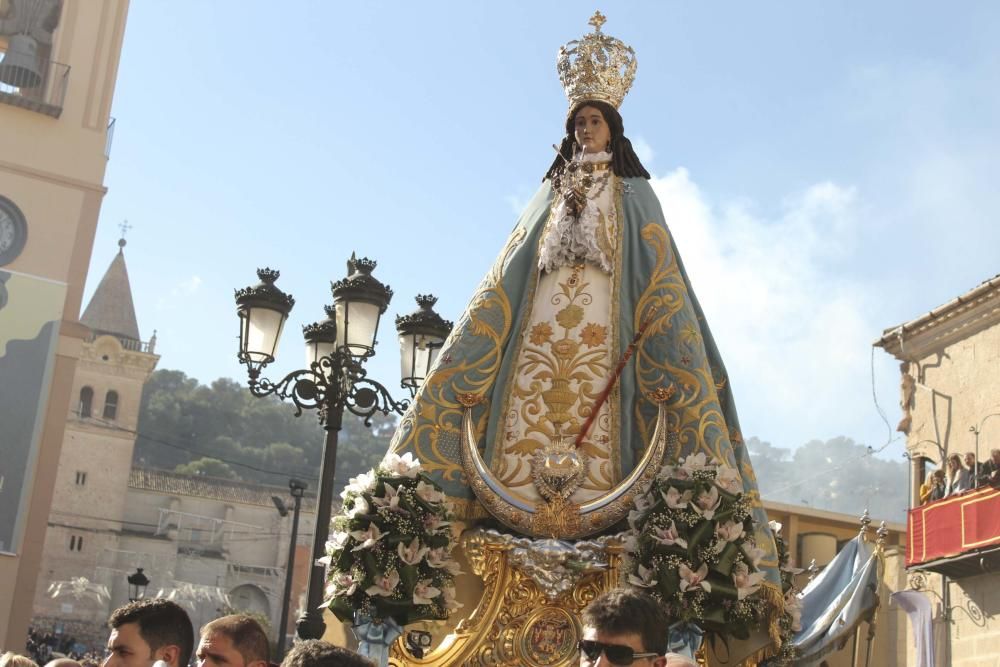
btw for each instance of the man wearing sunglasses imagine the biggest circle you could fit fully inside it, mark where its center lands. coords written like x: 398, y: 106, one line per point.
x: 626, y: 627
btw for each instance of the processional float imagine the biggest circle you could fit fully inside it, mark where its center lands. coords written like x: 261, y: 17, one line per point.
x: 576, y: 433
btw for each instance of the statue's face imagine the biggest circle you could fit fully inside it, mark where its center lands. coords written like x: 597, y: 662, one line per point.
x: 591, y: 130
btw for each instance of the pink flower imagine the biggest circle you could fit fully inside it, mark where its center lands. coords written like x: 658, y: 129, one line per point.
x: 424, y: 592
x: 728, y: 479
x: 669, y: 536
x: 645, y: 578
x: 384, y: 584
x: 391, y: 498
x: 413, y: 553
x: 706, y: 502
x: 746, y: 582
x: 730, y: 531
x: 439, y: 558
x: 675, y: 499
x: 367, y: 538
x: 433, y: 523
x: 692, y: 579
x: 342, y: 584
x: 428, y: 493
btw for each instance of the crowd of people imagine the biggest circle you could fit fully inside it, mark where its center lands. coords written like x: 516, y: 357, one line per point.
x: 620, y: 627
x: 963, y: 474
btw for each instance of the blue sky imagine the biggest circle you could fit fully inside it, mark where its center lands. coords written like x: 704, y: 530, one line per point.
x: 828, y: 170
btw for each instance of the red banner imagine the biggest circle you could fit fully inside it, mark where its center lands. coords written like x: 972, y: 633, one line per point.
x: 954, y: 525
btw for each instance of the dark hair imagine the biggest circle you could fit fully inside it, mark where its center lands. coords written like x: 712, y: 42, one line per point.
x: 624, y: 611
x: 244, y: 632
x: 318, y: 653
x: 624, y: 162
x: 161, y: 623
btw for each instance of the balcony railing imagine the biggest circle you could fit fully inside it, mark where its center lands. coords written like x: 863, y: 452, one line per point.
x: 957, y: 536
x: 43, y: 90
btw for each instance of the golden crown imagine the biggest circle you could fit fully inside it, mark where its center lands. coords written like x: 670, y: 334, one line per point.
x: 596, y: 67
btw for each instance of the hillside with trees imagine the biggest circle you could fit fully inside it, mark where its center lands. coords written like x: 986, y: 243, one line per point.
x: 221, y: 430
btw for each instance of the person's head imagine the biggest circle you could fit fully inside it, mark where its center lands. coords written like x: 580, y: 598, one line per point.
x: 11, y: 659
x: 954, y: 462
x: 603, y: 126
x: 145, y: 631
x: 938, y: 476
x: 63, y: 662
x: 622, y: 624
x: 970, y: 460
x: 318, y: 653
x: 233, y: 641
x: 995, y: 456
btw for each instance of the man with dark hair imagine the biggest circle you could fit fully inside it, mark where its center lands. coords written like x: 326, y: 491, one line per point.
x: 318, y: 653
x: 626, y: 627
x: 145, y: 631
x: 233, y: 641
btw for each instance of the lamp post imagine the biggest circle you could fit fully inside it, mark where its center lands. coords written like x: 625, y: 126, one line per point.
x: 137, y: 583
x: 297, y: 490
x: 336, y: 351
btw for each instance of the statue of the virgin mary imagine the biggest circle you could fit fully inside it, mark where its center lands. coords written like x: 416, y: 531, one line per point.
x: 583, y: 361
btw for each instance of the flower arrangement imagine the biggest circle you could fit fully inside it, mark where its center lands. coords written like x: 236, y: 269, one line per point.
x: 691, y: 546
x: 389, y: 554
x: 790, y: 621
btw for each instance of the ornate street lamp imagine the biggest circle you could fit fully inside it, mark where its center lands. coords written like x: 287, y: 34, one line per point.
x: 421, y: 336
x: 336, y: 349
x: 137, y: 583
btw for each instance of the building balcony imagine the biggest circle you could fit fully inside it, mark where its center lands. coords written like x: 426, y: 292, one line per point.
x: 958, y: 536
x: 41, y: 87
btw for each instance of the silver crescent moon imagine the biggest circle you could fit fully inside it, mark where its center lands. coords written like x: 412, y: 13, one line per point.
x: 595, y: 515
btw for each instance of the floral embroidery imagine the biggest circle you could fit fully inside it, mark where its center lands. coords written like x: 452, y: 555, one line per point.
x: 594, y: 335
x: 540, y: 333
x: 570, y: 316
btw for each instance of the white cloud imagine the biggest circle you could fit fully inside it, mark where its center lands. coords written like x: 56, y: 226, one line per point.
x: 644, y: 151
x: 185, y: 288
x: 794, y: 329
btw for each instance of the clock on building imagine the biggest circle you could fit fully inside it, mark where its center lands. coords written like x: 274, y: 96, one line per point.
x: 13, y: 231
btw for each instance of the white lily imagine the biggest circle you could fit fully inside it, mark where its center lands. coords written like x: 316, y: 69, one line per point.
x: 673, y: 472
x: 412, y: 553
x: 728, y: 479
x: 692, y: 579
x: 675, y: 499
x: 343, y: 584
x: 694, y: 463
x: 359, y: 484
x: 360, y: 506
x: 390, y: 500
x: 384, y: 584
x: 706, y: 502
x: 669, y: 536
x: 367, y: 538
x: 645, y: 578
x: 730, y: 531
x: 400, y: 466
x: 746, y: 582
x: 433, y: 523
x: 775, y: 527
x: 428, y: 493
x: 424, y: 592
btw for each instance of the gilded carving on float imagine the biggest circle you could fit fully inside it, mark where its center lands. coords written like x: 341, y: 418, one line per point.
x: 535, y: 590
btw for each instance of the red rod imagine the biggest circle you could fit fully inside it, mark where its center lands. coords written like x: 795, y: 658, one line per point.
x: 614, y: 377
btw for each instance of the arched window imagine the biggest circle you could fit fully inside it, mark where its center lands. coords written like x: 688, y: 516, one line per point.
x: 111, y: 405
x: 86, y: 401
